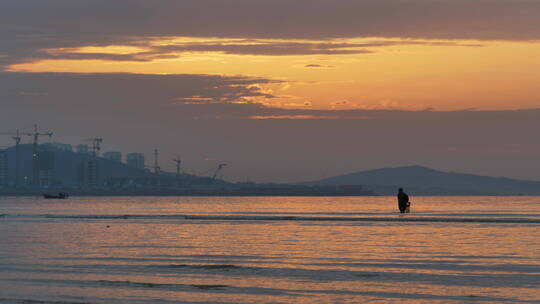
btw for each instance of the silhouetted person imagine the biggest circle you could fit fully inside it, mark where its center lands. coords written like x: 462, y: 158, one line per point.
x: 403, y: 200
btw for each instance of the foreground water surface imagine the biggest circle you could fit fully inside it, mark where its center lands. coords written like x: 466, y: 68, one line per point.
x: 269, y: 250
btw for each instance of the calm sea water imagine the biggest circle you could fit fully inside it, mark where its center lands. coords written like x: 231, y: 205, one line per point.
x: 269, y: 250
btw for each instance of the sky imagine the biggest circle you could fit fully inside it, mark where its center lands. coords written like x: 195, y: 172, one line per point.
x: 281, y: 90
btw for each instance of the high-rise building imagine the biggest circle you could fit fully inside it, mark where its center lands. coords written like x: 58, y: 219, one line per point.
x: 58, y: 146
x: 81, y: 148
x: 135, y: 160
x: 46, y: 168
x: 88, y: 173
x: 116, y: 156
x: 3, y: 168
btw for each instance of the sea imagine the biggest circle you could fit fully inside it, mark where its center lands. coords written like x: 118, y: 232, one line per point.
x: 269, y: 250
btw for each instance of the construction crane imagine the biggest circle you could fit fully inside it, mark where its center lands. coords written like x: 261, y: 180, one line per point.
x: 96, y: 145
x: 91, y: 177
x: 219, y: 168
x: 156, y: 163
x: 17, y: 137
x: 35, y: 153
x: 178, y: 162
x: 156, y: 168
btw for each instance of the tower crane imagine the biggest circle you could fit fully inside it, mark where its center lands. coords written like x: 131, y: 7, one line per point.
x: 156, y: 168
x: 219, y: 168
x: 17, y: 137
x: 178, y: 162
x: 156, y: 162
x: 35, y: 154
x: 96, y: 145
x: 91, y: 178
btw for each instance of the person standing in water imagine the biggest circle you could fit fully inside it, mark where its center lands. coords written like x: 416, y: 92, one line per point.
x: 403, y: 200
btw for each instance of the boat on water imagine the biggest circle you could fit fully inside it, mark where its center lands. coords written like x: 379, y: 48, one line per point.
x: 56, y: 196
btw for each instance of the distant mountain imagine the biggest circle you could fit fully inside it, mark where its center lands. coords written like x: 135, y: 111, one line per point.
x: 425, y: 181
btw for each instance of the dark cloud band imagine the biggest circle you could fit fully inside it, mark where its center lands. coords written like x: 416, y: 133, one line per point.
x: 28, y: 27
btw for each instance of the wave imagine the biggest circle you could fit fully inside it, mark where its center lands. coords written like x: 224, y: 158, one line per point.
x: 199, y: 288
x: 30, y: 301
x: 187, y: 217
x: 207, y: 266
x: 160, y: 285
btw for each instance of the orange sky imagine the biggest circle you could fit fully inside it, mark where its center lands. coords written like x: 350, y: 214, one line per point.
x: 444, y: 75
x: 193, y: 76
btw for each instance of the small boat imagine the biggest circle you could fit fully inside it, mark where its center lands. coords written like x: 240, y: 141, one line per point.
x: 56, y: 196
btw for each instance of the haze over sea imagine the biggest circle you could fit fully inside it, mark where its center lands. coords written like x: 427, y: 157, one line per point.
x: 269, y: 250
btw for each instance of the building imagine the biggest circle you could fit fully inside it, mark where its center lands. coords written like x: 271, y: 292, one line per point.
x: 58, y: 146
x: 135, y: 160
x: 46, y: 168
x: 116, y: 156
x: 83, y: 149
x: 88, y: 173
x: 3, y: 168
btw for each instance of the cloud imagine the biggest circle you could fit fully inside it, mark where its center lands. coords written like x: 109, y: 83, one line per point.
x: 270, y: 48
x: 156, y: 49
x: 198, y: 114
x: 95, y: 56
x: 31, y: 26
x: 138, y: 112
x: 308, y: 116
x: 73, y: 93
x: 174, y: 95
x: 477, y: 19
x: 318, y: 66
x: 293, y: 117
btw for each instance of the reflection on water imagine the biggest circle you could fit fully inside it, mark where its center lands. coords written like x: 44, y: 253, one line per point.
x: 256, y: 250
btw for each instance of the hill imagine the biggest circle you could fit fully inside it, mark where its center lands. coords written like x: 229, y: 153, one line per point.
x: 82, y: 174
x: 426, y: 181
